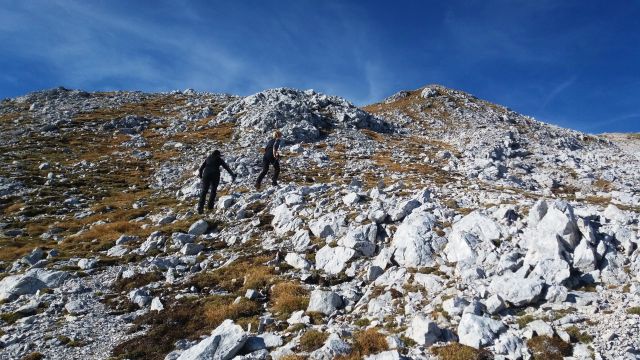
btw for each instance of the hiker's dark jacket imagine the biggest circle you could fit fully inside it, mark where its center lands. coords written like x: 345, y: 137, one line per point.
x: 210, y: 168
x: 273, y: 144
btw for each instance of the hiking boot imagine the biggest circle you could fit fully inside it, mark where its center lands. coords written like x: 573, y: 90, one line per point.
x: 257, y: 186
x: 200, y: 211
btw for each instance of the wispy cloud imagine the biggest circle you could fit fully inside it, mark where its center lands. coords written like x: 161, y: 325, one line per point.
x: 88, y: 44
x: 556, y: 91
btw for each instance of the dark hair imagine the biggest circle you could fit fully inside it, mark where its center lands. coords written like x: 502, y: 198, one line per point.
x: 216, y: 153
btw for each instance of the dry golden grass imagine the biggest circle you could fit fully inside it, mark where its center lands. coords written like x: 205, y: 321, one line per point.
x: 155, y: 106
x: 598, y: 200
x: 293, y: 357
x: 603, y: 185
x: 548, y: 348
x: 312, y: 340
x: 216, y: 312
x: 457, y: 351
x: 14, y: 248
x: 245, y: 273
x: 221, y: 133
x: 13, y: 208
x: 287, y: 297
x: 366, y: 342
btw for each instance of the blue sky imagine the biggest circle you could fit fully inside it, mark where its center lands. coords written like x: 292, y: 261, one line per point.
x: 572, y: 63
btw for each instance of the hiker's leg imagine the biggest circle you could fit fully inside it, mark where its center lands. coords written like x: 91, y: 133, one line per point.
x: 276, y: 172
x: 214, y: 190
x: 204, y: 183
x: 265, y: 169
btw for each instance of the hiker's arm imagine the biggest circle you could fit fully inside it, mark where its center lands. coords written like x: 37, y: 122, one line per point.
x: 276, y: 149
x: 226, y: 167
x: 201, y: 168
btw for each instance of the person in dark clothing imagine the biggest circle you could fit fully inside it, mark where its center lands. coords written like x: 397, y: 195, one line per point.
x: 271, y: 157
x: 209, y: 172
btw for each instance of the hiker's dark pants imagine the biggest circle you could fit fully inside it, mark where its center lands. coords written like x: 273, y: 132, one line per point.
x: 208, y: 182
x: 266, y: 161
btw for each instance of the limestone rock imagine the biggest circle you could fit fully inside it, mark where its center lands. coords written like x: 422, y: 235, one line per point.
x: 325, y: 302
x: 477, y: 331
x: 223, y: 344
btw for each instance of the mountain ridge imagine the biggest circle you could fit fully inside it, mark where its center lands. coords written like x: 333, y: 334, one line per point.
x: 430, y: 224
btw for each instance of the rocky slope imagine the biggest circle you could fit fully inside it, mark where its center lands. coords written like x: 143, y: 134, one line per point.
x: 430, y: 225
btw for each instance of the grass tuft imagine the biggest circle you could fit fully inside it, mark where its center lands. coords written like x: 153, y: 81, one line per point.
x: 312, y: 340
x: 548, y: 348
x: 288, y: 297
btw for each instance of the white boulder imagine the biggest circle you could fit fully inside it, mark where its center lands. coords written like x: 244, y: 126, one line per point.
x: 223, y: 344
x: 477, y: 331
x: 325, y: 302
x: 333, y: 260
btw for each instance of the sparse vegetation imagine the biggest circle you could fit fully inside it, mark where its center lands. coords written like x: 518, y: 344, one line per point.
x: 33, y: 356
x: 524, y: 320
x: 136, y: 281
x: 634, y: 310
x: 244, y: 273
x: 312, y: 340
x: 68, y: 341
x: 457, y: 351
x: 217, y: 309
x: 548, y: 348
x: 577, y: 335
x: 287, y: 297
x: 366, y: 342
x: 11, y: 317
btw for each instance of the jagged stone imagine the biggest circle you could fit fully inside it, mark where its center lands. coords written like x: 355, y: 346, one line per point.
x: 424, y: 331
x: 223, y: 344
x: 471, y: 232
x: 516, y: 290
x: 477, y: 331
x: 333, y: 260
x: 325, y: 302
x: 415, y: 244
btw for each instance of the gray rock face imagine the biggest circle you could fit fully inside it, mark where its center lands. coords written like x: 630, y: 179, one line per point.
x: 414, y: 243
x: 262, y: 341
x: 223, y: 344
x: 199, y: 227
x: 299, y: 114
x: 117, y: 251
x: 332, y: 348
x: 13, y: 286
x: 553, y: 271
x: 325, y: 302
x: 191, y: 249
x: 361, y: 239
x: 477, y: 331
x: 284, y: 220
x: 297, y: 261
x: 327, y: 225
x: 424, y: 331
x: 403, y: 209
x: 333, y: 260
x: 556, y: 233
x: 584, y: 257
x: 76, y: 307
x: 472, y: 231
x: 386, y: 355
x: 86, y: 264
x: 516, y: 290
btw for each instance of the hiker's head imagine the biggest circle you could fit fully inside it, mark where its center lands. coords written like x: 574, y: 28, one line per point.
x: 277, y: 134
x: 216, y: 153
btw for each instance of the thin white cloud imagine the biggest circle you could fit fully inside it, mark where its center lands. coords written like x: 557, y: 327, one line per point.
x: 553, y: 94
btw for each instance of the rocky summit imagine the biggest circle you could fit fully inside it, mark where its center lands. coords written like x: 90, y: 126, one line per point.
x: 430, y: 225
